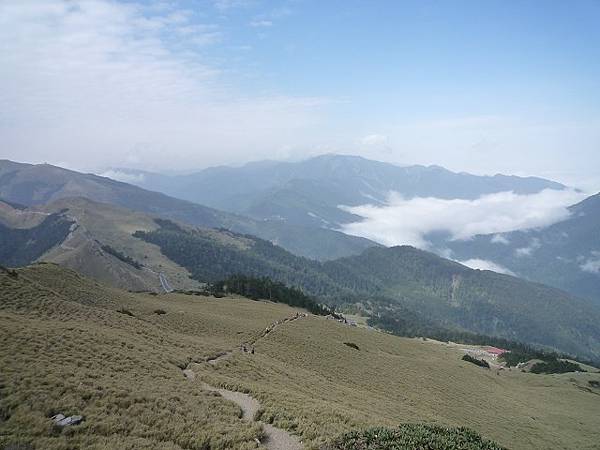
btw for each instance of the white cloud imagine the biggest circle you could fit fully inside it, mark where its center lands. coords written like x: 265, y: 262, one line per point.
x: 404, y: 221
x: 261, y: 23
x: 484, y: 264
x: 374, y: 140
x: 499, y: 239
x: 119, y: 175
x: 88, y: 82
x: 224, y: 5
x: 527, y: 251
x: 592, y: 264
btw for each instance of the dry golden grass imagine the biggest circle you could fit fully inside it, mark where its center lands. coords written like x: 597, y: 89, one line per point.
x: 65, y: 348
x: 309, y: 381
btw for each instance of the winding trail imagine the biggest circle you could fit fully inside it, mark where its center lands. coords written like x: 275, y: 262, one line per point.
x: 274, y: 438
x: 213, y: 360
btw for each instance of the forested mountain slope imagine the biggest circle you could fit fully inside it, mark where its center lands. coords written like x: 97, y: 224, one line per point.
x: 422, y: 291
x: 22, y: 246
x: 400, y: 281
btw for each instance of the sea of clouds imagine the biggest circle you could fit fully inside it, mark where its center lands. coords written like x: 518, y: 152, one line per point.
x: 405, y: 221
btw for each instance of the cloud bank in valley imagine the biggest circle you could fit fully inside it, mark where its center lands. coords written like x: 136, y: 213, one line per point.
x: 409, y: 221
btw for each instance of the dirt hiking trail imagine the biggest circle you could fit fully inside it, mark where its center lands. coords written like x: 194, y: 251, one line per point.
x: 247, y: 345
x: 275, y: 438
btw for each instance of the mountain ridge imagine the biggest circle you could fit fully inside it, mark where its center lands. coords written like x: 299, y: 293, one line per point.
x: 30, y: 184
x: 309, y: 192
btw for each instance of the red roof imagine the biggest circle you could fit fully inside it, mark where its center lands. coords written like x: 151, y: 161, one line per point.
x: 496, y: 350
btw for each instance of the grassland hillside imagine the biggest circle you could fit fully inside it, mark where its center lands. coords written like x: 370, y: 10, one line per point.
x: 29, y: 185
x: 93, y: 238
x: 399, y: 283
x: 74, y: 346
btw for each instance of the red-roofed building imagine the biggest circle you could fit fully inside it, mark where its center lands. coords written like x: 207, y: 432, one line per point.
x: 496, y: 351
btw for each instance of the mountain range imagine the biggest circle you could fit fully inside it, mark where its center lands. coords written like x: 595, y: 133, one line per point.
x: 309, y: 193
x: 29, y: 184
x: 399, y: 283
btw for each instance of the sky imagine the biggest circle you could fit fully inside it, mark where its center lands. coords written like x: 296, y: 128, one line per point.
x: 484, y: 87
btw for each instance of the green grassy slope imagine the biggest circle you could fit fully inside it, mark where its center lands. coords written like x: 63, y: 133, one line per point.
x: 67, y: 349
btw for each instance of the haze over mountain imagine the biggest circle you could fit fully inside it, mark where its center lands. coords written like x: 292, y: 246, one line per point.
x: 310, y: 192
x: 29, y: 184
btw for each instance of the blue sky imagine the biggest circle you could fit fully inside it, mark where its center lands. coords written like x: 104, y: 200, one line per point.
x: 464, y: 57
x: 495, y: 86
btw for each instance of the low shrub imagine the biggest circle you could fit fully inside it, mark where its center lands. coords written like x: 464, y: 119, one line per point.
x: 411, y: 437
x: 556, y: 366
x: 159, y: 311
x: 126, y: 312
x: 352, y: 345
x: 121, y: 256
x: 477, y: 362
